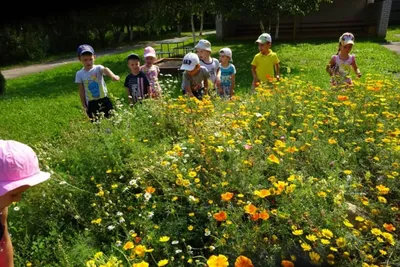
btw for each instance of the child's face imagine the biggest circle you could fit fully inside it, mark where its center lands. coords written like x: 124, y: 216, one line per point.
x: 149, y: 61
x: 203, y: 54
x: 346, y: 48
x: 87, y: 60
x: 264, y: 47
x: 223, y: 59
x: 194, y: 71
x: 12, y: 196
x: 134, y: 65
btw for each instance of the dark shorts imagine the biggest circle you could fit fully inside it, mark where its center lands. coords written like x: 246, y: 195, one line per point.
x: 98, y: 106
x: 198, y: 94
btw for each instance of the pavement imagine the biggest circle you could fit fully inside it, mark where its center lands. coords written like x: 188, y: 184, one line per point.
x: 36, y: 68
x: 393, y: 46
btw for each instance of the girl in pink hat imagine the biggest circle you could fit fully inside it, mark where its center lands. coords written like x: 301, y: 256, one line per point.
x: 19, y: 170
x: 152, y: 71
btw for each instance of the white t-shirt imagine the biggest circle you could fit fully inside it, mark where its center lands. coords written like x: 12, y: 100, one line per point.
x: 212, y: 68
x: 93, y: 82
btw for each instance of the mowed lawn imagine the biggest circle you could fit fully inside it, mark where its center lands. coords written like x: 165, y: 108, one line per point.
x: 42, y: 106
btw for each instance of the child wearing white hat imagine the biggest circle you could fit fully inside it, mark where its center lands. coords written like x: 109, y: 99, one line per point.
x: 203, y: 50
x: 228, y: 72
x: 195, y: 77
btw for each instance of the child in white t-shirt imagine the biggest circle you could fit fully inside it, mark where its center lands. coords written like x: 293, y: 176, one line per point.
x: 203, y: 50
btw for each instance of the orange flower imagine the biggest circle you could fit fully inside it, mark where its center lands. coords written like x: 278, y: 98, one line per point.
x: 220, y: 216
x: 287, y: 263
x: 342, y: 97
x: 250, y: 209
x: 255, y: 217
x: 150, y: 189
x: 243, y: 261
x: 227, y: 196
x: 389, y: 227
x: 264, y: 215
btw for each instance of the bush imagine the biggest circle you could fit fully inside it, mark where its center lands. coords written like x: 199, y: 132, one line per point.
x: 2, y: 84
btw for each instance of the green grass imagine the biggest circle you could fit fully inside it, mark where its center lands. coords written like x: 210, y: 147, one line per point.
x: 41, y: 106
x: 393, y: 33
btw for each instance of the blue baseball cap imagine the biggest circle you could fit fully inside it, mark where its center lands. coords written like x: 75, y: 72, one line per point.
x: 85, y: 48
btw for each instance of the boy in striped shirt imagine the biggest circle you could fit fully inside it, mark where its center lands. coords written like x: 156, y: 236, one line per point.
x: 136, y: 82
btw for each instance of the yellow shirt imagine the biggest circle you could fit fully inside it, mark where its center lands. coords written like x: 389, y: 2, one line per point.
x: 265, y: 65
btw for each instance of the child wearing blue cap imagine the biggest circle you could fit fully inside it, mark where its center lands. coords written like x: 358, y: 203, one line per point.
x: 92, y: 88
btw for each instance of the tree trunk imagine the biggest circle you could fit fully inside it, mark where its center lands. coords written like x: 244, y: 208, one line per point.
x: 262, y: 26
x: 269, y: 24
x: 277, y: 27
x: 179, y: 30
x: 201, y: 23
x: 193, y: 29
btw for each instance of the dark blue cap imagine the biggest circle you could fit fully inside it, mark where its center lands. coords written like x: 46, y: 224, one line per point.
x: 84, y: 49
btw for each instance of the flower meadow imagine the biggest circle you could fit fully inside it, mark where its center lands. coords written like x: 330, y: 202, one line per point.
x: 293, y: 175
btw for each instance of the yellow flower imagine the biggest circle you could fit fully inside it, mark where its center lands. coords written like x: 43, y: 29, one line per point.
x: 341, y: 242
x: 325, y: 241
x: 348, y: 224
x: 382, y: 199
x: 383, y: 190
x: 97, y: 221
x: 382, y: 252
x: 360, y: 219
x: 128, y: 245
x: 273, y: 158
x: 262, y: 193
x: 306, y: 247
x: 150, y: 189
x: 141, y: 250
x: 141, y: 264
x: 327, y: 233
x: 192, y: 174
x: 218, y: 261
x: 376, y: 231
x: 162, y: 262
x: 297, y: 232
x: 90, y: 263
x: 190, y: 227
x: 347, y: 172
x: 321, y: 194
x: 332, y: 141
x: 312, y: 238
x: 315, y: 257
x: 109, y: 171
x: 164, y: 239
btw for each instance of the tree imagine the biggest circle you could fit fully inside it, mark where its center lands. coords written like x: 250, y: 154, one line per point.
x: 2, y: 84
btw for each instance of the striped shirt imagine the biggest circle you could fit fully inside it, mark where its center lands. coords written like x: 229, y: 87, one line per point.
x: 138, y: 86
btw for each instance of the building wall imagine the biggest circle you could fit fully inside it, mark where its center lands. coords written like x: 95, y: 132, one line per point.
x: 395, y: 13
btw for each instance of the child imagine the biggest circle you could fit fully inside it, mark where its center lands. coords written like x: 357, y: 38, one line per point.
x: 19, y: 170
x: 195, y: 77
x: 339, y: 67
x: 203, y: 50
x: 136, y: 83
x: 92, y: 88
x: 228, y: 72
x: 151, y: 71
x: 265, y: 62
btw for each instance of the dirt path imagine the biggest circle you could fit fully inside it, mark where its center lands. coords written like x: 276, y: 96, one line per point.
x: 393, y: 46
x: 23, y: 71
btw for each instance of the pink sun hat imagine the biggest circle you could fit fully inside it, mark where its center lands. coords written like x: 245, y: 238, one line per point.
x: 19, y: 166
x: 149, y: 52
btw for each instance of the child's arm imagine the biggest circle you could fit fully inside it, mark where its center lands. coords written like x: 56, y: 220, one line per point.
x: 111, y: 74
x: 189, y: 91
x: 277, y: 69
x: 356, y: 69
x: 253, y: 71
x: 7, y: 255
x: 329, y: 67
x: 130, y: 97
x: 232, y: 84
x: 82, y: 96
x: 206, y: 86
